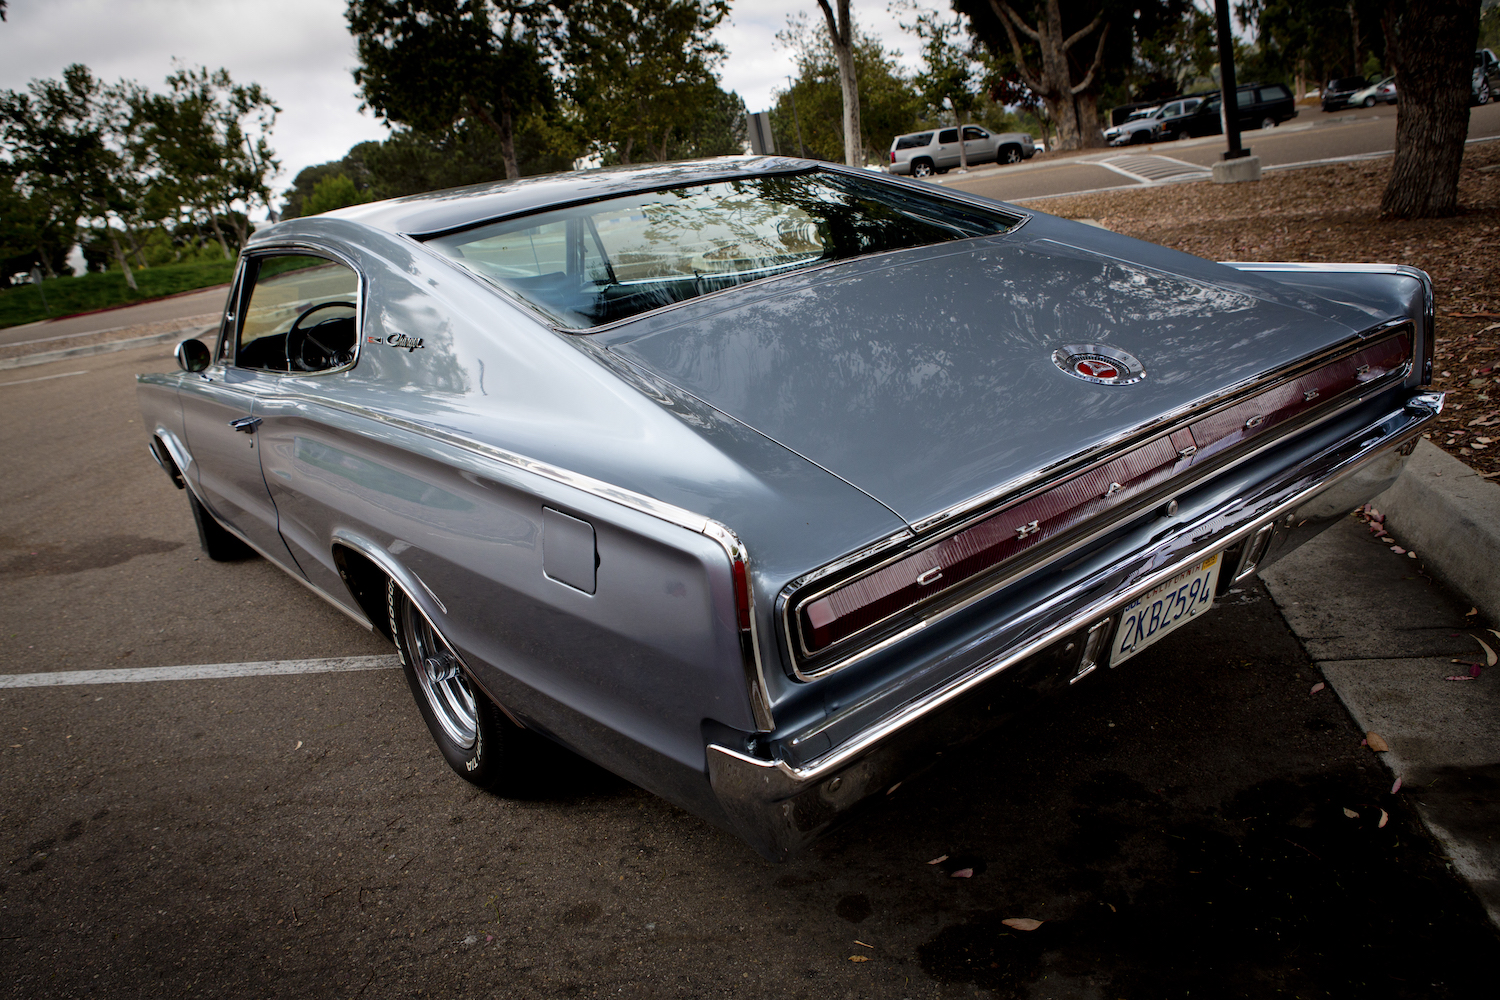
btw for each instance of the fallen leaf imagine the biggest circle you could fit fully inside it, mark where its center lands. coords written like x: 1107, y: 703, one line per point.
x: 1111, y: 907
x: 1385, y: 818
x: 1396, y: 787
x: 1023, y: 923
x: 862, y: 944
x: 1398, y: 550
x: 1471, y: 613
x: 859, y: 958
x: 1489, y: 654
x: 938, y: 860
x: 1460, y: 677
x: 1411, y: 555
x: 1317, y: 687
x: 1376, y: 742
x: 1350, y: 813
x: 1474, y: 669
x: 963, y: 873
x: 298, y: 746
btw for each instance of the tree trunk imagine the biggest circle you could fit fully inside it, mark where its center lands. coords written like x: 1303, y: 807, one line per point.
x: 625, y: 153
x: 223, y: 245
x: 1433, y: 117
x: 1077, y: 121
x: 504, y: 128
x: 841, y: 33
x: 120, y: 256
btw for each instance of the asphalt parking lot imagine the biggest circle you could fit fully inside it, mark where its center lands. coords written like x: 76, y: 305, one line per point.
x: 1181, y: 826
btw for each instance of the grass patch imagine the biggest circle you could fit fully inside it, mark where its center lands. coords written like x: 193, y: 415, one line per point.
x: 66, y: 296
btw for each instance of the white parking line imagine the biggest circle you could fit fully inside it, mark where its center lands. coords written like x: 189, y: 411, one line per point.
x: 200, y: 671
x: 42, y: 378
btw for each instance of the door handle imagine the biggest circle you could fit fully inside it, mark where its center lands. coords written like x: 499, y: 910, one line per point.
x: 246, y: 424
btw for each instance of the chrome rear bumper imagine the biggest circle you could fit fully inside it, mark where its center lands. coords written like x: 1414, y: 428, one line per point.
x: 780, y: 804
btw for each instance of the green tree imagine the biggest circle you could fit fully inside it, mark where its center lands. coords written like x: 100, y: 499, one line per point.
x: 949, y: 77
x: 432, y: 64
x: 842, y: 38
x: 643, y: 71
x: 335, y: 191
x: 889, y: 103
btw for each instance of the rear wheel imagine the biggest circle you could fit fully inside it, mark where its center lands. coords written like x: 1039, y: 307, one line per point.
x: 1268, y: 122
x: 1483, y: 96
x: 476, y: 739
x: 216, y: 540
x: 922, y: 168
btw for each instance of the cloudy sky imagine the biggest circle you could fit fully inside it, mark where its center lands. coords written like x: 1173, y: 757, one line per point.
x: 301, y: 52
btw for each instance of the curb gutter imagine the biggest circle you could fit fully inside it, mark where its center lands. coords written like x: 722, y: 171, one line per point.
x: 83, y: 351
x: 1450, y: 515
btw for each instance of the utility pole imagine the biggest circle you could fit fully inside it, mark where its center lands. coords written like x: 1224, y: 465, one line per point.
x: 791, y: 90
x: 1237, y: 164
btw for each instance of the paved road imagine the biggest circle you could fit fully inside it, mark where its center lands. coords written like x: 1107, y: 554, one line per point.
x: 1179, y: 823
x: 1313, y: 135
x: 199, y: 303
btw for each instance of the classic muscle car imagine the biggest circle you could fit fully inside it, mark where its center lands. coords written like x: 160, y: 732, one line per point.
x: 759, y: 481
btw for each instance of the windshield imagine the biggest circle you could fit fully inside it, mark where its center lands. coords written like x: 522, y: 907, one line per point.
x: 593, y: 264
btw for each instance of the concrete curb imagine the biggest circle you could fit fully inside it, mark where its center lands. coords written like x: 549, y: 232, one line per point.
x: 83, y: 351
x: 1450, y: 516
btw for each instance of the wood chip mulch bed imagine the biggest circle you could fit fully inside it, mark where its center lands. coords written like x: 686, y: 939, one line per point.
x: 1332, y: 213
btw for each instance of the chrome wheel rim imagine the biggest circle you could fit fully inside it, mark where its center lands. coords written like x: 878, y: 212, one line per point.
x: 441, y: 678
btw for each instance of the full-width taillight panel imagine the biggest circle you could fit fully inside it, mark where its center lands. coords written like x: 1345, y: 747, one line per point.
x: 840, y: 614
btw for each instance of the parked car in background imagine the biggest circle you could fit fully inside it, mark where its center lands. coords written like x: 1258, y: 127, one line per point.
x: 671, y: 465
x: 935, y: 151
x: 1486, y: 79
x: 1259, y: 106
x: 1336, y: 92
x: 1139, y: 127
x: 1383, y: 91
x: 1167, y: 122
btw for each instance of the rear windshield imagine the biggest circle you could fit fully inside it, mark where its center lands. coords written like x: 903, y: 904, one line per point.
x: 914, y: 141
x: 608, y: 260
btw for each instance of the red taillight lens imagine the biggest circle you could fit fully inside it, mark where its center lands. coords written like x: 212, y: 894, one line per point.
x: 741, y: 595
x: 893, y: 156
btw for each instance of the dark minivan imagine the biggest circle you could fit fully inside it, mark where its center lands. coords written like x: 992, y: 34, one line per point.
x: 1261, y: 105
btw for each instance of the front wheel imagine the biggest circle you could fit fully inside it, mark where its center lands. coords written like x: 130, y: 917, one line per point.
x: 1483, y: 97
x: 1369, y: 102
x: 481, y: 745
x: 1010, y: 154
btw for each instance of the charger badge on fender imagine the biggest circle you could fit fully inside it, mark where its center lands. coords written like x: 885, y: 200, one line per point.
x: 398, y: 340
x: 1098, y: 363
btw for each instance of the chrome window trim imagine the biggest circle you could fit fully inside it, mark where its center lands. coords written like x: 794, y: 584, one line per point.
x: 734, y: 549
x: 794, y: 596
x: 311, y: 249
x: 1429, y: 403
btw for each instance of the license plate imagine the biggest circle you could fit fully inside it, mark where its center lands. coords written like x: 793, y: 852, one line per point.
x: 1164, y: 608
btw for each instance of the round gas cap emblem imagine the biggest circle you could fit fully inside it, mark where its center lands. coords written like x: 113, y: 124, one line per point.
x: 1098, y: 363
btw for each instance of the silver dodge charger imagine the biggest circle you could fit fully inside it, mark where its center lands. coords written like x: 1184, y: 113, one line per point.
x: 758, y: 481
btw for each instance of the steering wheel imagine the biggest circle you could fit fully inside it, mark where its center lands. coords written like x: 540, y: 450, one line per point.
x: 330, y: 355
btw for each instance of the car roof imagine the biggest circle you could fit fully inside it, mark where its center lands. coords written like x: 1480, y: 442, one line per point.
x: 458, y: 208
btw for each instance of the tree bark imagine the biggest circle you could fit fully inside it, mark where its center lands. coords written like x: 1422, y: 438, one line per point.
x: 841, y: 33
x: 114, y: 244
x: 1077, y: 121
x: 1437, y: 37
x: 213, y: 220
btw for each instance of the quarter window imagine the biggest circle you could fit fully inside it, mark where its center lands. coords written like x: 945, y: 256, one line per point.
x: 948, y: 135
x: 299, y: 316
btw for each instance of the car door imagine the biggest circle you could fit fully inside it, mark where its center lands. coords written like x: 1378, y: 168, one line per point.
x: 979, y: 145
x: 946, y: 153
x: 219, y: 422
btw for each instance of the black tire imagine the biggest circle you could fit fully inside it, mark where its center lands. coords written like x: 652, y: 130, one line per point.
x: 922, y: 168
x: 476, y: 739
x: 1010, y: 154
x: 1369, y: 102
x: 1483, y: 96
x: 216, y: 541
x: 1268, y: 122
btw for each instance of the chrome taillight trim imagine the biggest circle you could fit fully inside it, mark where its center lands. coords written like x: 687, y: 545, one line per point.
x: 796, y: 596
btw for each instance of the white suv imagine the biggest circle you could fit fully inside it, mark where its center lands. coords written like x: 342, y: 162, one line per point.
x: 935, y: 151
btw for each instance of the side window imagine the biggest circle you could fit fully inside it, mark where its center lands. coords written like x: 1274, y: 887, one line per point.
x: 974, y: 132
x: 1274, y: 93
x: 299, y: 315
x: 948, y: 135
x: 1244, y: 98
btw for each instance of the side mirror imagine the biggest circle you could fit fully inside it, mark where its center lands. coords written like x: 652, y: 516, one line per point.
x: 192, y: 356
